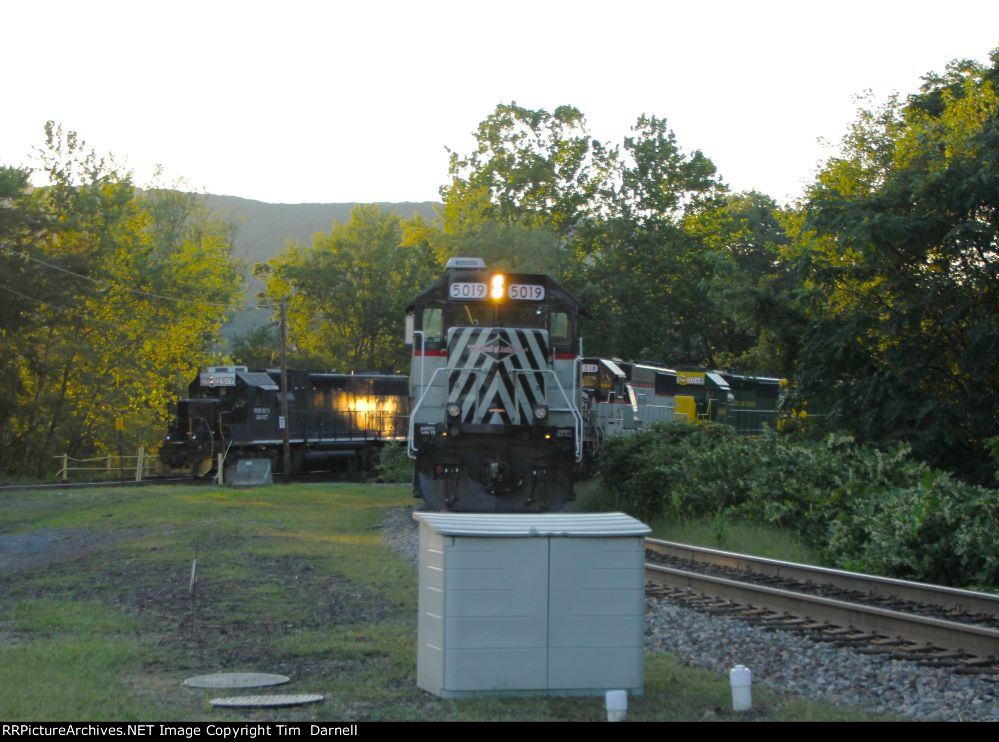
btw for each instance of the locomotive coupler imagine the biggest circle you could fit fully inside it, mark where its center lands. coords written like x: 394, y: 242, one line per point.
x: 497, y: 475
x: 496, y: 471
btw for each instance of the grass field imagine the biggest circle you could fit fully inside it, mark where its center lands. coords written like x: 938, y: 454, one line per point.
x: 716, y: 532
x: 98, y: 622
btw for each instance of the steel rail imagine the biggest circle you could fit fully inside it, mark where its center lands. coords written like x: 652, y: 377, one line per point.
x: 970, y: 638
x: 944, y: 597
x: 152, y: 479
x: 967, y: 638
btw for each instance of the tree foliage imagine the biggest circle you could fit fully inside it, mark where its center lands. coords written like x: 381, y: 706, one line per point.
x: 877, y: 293
x: 533, y: 165
x: 348, y: 290
x: 112, y: 298
x: 258, y: 347
x: 899, y: 253
x: 646, y: 235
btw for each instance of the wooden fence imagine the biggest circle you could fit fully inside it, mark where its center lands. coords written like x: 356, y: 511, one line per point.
x: 111, y: 467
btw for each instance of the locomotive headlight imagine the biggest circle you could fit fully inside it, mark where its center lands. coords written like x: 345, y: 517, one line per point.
x: 453, y: 410
x: 497, y: 288
x: 540, y: 412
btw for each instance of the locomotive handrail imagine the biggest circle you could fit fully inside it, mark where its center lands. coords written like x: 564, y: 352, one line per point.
x: 577, y: 418
x: 411, y: 449
x: 423, y: 351
x: 755, y: 426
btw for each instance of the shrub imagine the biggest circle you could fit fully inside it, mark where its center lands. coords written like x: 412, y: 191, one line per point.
x: 394, y: 464
x: 861, y: 507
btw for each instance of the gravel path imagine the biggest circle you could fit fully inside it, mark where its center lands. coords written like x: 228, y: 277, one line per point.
x: 787, y: 663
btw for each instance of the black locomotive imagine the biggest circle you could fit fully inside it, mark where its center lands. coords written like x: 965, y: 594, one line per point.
x: 495, y: 422
x: 334, y: 420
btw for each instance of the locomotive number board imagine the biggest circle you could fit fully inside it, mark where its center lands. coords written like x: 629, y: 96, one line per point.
x: 528, y: 291
x: 516, y: 291
x: 217, y: 379
x: 465, y: 290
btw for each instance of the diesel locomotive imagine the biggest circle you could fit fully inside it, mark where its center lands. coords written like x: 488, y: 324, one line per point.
x: 506, y: 411
x: 335, y: 421
x: 495, y: 424
x: 621, y: 397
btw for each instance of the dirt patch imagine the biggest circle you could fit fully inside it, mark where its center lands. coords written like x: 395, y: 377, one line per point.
x: 231, y: 620
x: 245, y: 606
x: 46, y: 546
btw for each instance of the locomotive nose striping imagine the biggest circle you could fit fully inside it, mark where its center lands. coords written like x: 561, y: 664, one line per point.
x: 488, y: 376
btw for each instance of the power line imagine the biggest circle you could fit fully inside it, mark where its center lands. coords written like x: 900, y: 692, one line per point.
x: 65, y: 310
x: 90, y: 320
x: 138, y: 292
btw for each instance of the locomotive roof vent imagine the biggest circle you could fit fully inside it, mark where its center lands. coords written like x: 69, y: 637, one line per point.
x: 465, y: 264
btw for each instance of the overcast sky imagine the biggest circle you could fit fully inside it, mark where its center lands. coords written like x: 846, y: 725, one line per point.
x: 356, y: 101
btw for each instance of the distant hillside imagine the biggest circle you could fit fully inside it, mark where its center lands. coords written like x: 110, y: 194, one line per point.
x: 263, y: 230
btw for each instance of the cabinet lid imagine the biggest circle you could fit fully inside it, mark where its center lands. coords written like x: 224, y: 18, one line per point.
x: 503, y: 525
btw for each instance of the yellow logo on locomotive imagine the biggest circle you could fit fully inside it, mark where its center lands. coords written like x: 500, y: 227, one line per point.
x: 690, y: 378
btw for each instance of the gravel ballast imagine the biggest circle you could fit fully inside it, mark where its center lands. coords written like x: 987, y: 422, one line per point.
x: 787, y: 663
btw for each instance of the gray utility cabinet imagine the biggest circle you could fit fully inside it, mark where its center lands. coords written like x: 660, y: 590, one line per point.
x: 548, y: 604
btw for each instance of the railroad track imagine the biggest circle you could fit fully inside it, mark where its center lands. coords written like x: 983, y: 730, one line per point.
x: 937, y: 626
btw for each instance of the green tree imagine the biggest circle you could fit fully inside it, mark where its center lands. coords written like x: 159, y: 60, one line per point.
x: 119, y: 299
x: 257, y: 347
x: 468, y: 226
x: 529, y: 166
x: 899, y: 254
x: 659, y: 184
x: 540, y: 192
x: 348, y: 292
x: 671, y: 266
x: 748, y: 296
x: 644, y: 274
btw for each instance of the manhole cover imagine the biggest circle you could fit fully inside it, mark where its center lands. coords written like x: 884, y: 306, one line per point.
x: 236, y: 680
x: 289, y: 699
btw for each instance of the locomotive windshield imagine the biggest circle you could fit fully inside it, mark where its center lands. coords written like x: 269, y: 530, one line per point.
x: 489, y: 314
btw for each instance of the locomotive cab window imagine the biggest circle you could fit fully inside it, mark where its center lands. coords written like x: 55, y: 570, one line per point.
x: 487, y: 314
x: 560, y: 329
x: 562, y: 322
x: 432, y: 324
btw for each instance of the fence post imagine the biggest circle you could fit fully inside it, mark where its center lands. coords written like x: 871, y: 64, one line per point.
x: 65, y: 467
x: 220, y: 476
x: 140, y: 464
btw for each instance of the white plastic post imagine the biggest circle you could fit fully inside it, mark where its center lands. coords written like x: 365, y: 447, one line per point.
x: 617, y: 705
x: 741, y: 680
